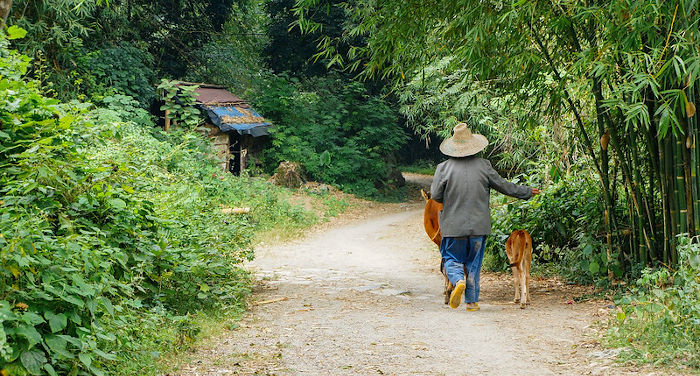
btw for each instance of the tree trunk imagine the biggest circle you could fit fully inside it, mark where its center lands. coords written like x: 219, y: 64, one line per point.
x: 5, y: 6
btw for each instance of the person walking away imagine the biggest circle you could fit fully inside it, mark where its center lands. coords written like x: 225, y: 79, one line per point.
x: 463, y: 184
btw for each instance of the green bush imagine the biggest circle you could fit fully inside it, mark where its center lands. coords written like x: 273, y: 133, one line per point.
x: 111, y: 232
x: 340, y: 133
x: 120, y: 69
x: 659, y: 320
x: 567, y: 241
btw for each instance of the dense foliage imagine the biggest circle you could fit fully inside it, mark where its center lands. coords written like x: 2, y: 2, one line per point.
x: 612, y: 87
x: 91, y: 50
x: 111, y: 233
x: 111, y: 230
x: 622, y: 76
x: 336, y: 130
x: 567, y: 241
x: 89, y: 46
x: 659, y: 321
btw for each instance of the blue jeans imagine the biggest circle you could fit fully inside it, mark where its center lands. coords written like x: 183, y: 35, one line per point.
x: 464, y: 255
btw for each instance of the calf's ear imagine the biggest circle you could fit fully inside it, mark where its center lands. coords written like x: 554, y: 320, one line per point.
x: 426, y: 195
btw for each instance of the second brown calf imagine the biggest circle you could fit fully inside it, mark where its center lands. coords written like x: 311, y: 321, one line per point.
x: 519, y: 251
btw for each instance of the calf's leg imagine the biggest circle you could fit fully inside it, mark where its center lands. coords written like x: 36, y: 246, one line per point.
x: 523, y: 285
x: 516, y: 283
x: 527, y: 277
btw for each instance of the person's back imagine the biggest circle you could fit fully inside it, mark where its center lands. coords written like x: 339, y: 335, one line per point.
x: 463, y: 184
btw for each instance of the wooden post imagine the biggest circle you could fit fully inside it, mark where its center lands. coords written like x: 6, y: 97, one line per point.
x: 167, y: 121
x: 245, y: 144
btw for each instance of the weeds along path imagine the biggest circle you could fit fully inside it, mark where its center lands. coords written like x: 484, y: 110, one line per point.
x: 365, y: 298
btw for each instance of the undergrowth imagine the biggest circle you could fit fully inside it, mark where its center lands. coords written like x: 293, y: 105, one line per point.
x: 112, y: 235
x: 659, y: 319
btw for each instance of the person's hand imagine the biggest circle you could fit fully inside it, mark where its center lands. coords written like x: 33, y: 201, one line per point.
x: 535, y: 191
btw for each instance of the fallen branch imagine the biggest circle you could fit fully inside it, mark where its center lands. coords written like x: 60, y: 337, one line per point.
x: 235, y: 210
x: 271, y: 301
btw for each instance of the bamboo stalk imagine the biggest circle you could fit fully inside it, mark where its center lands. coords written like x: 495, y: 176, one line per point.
x: 679, y: 190
x: 695, y: 179
x: 656, y: 176
x: 634, y: 189
x: 673, y: 204
x: 687, y: 180
x: 633, y: 242
x: 664, y: 197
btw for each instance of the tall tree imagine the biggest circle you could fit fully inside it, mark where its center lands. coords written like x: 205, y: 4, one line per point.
x: 625, y: 74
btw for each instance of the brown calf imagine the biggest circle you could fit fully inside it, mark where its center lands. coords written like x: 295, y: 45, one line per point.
x: 431, y: 218
x: 431, y: 222
x: 519, y: 251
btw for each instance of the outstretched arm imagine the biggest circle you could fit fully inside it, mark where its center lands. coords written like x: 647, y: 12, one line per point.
x: 507, y: 188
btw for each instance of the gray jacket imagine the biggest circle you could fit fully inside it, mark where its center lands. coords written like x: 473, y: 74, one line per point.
x: 463, y: 186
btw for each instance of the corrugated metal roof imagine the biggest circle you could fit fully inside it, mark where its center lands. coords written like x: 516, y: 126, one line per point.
x: 217, y: 96
x: 242, y: 119
x: 227, y: 111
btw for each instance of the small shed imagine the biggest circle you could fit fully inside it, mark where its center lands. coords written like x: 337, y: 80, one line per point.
x: 238, y: 131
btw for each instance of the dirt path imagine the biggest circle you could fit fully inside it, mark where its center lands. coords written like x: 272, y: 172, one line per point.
x: 364, y: 298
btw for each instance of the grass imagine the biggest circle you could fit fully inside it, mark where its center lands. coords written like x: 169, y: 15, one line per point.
x: 420, y: 167
x: 658, y: 320
x: 212, y: 324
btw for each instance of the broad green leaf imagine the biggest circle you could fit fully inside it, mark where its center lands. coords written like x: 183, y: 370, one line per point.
x: 96, y: 371
x: 33, y: 360
x: 3, y: 336
x: 15, y: 32
x: 695, y: 262
x: 57, y: 322
x: 6, y: 313
x: 117, y: 203
x: 85, y: 359
x: 74, y: 317
x: 72, y: 340
x: 49, y: 369
x: 325, y: 158
x: 106, y: 336
x: 58, y: 344
x: 107, y: 304
x: 30, y: 333
x: 32, y: 318
x: 621, y: 316
x: 105, y: 355
x: 593, y: 267
x: 74, y: 300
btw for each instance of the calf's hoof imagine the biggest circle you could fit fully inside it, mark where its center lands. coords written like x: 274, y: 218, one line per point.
x: 522, y: 305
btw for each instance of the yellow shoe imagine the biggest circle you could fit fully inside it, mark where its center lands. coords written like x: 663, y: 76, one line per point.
x: 471, y: 307
x: 456, y: 296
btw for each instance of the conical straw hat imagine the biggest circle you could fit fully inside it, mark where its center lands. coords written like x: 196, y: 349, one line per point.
x: 463, y: 142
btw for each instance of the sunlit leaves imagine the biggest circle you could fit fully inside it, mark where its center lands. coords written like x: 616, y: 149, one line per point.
x: 15, y: 32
